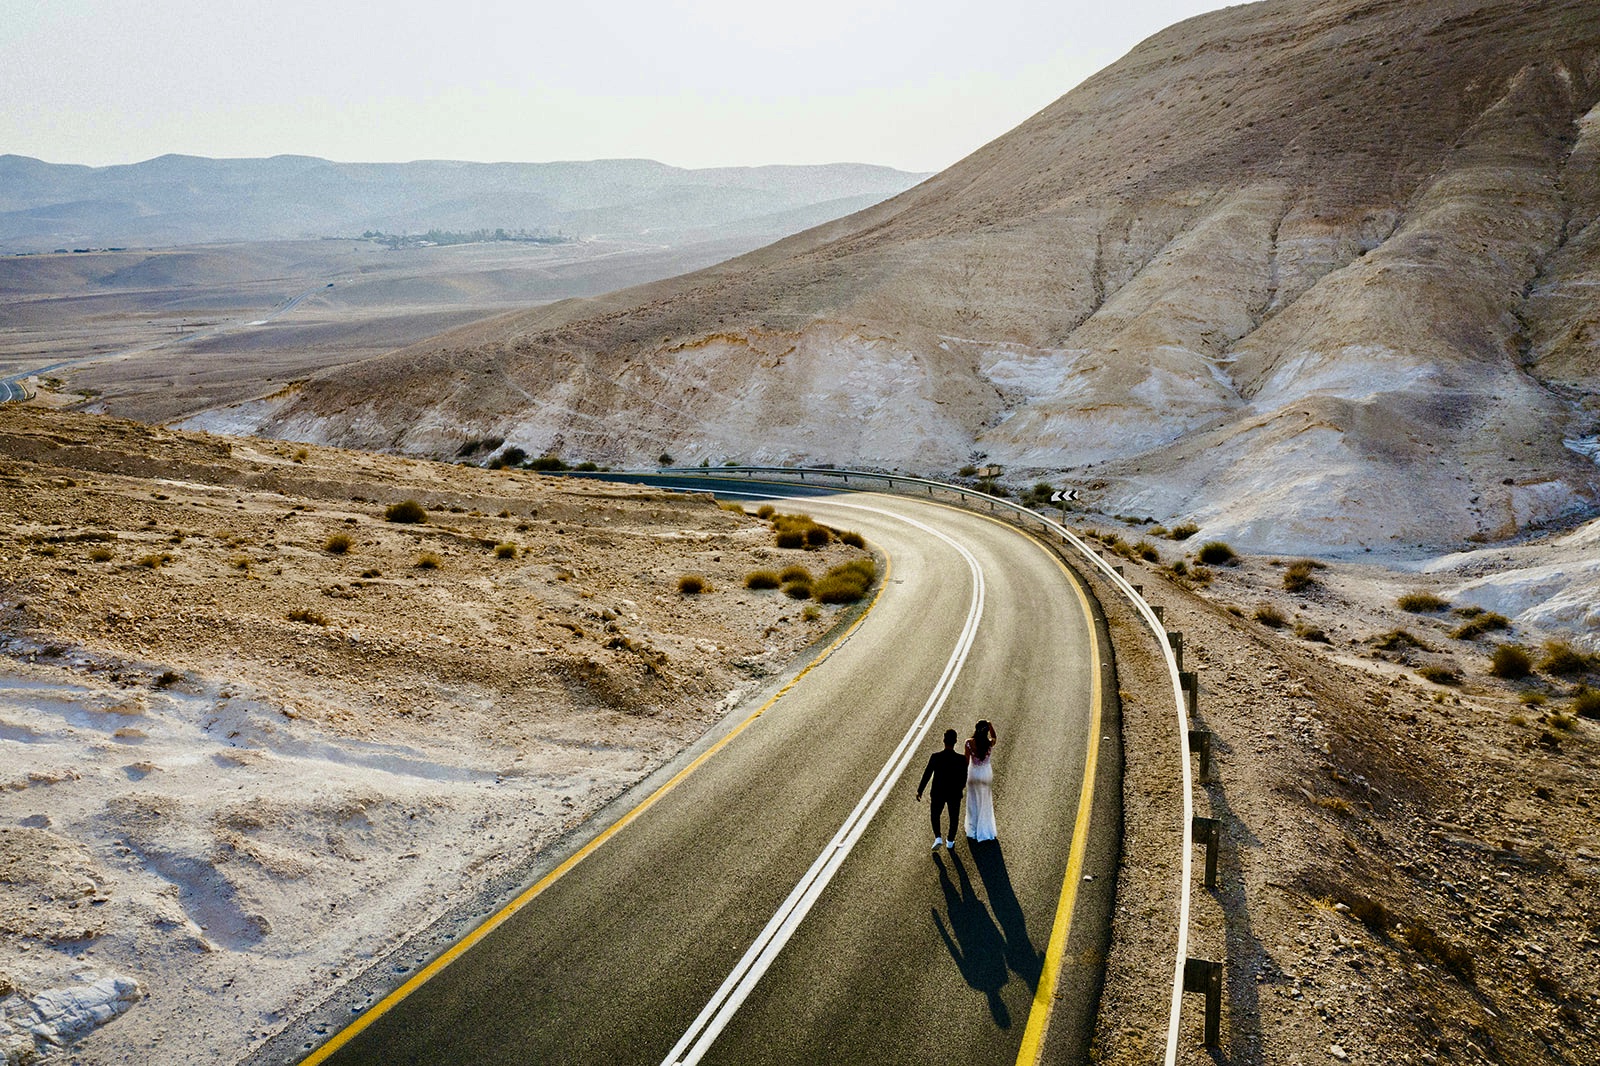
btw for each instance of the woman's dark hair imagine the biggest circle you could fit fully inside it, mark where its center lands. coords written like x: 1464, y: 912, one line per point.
x: 980, y: 740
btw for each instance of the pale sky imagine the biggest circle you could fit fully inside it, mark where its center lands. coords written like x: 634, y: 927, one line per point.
x: 915, y: 84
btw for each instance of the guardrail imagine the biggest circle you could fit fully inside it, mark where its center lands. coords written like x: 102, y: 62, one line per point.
x: 1195, y: 975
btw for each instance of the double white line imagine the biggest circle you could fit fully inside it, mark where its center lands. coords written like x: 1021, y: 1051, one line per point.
x: 760, y: 955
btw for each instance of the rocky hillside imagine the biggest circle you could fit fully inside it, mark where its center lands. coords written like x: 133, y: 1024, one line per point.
x: 1311, y: 274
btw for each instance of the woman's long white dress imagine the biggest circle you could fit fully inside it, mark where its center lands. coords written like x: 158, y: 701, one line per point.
x: 980, y: 798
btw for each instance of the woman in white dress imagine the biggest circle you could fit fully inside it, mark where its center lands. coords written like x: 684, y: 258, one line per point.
x: 980, y: 783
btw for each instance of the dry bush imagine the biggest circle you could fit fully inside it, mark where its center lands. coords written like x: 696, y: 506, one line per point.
x: 156, y: 560
x: 1481, y: 623
x: 409, y: 511
x: 1563, y: 660
x: 761, y: 579
x: 766, y: 510
x: 100, y: 555
x: 308, y: 617
x: 1146, y: 551
x: 846, y: 583
x: 1440, y: 675
x: 1454, y: 957
x: 505, y: 550
x: 337, y: 544
x: 1270, y: 616
x: 797, y: 590
x: 1217, y: 553
x: 1397, y: 640
x: 1586, y: 702
x: 852, y: 538
x: 1421, y: 603
x: 731, y: 505
x: 1311, y: 633
x: 1183, y: 531
x: 795, y: 572
x: 1511, y: 661
x: 428, y: 561
x: 1301, y: 574
x: 811, y: 613
x: 692, y: 584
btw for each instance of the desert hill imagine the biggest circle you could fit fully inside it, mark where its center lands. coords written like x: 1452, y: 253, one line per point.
x: 1314, y: 275
x: 189, y: 199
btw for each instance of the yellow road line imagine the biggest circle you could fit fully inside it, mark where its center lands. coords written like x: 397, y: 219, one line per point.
x: 1045, y: 993
x: 422, y: 976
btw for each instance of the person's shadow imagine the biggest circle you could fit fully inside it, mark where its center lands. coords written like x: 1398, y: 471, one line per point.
x: 973, y: 939
x: 1021, y: 956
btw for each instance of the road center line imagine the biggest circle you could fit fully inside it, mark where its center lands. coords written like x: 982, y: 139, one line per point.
x: 770, y: 942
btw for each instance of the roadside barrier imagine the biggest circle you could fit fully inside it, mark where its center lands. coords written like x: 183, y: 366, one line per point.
x: 1189, y: 974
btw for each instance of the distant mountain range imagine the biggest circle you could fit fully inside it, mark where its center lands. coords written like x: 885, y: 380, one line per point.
x: 177, y: 199
x: 1315, y: 274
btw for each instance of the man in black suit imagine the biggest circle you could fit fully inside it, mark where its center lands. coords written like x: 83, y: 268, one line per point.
x: 948, y: 768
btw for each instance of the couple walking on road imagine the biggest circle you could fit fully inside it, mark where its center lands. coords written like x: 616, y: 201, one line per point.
x: 952, y: 773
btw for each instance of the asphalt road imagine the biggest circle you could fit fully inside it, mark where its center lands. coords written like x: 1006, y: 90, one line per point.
x: 781, y: 904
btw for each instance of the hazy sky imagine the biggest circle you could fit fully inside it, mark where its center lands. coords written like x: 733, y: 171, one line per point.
x: 915, y: 84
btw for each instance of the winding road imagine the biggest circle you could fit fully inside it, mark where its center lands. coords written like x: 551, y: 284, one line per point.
x: 771, y: 896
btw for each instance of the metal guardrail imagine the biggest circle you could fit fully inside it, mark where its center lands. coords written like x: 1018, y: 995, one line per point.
x: 1170, y: 643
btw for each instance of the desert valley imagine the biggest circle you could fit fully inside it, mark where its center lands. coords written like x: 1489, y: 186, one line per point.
x: 1298, y: 297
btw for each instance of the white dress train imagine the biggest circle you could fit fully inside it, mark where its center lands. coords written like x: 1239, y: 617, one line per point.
x: 980, y: 799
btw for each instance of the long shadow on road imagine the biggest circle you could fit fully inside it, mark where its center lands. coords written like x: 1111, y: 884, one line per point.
x: 989, y: 941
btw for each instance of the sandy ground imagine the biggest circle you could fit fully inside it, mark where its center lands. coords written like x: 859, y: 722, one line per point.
x: 236, y: 766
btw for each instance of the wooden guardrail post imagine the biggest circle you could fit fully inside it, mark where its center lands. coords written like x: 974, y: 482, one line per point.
x: 1175, y: 639
x: 1208, y: 831
x: 1200, y: 744
x: 1191, y: 689
x: 1202, y: 975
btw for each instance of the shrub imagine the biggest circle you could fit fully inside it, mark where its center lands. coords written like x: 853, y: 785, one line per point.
x: 818, y: 536
x: 766, y: 510
x: 1201, y: 575
x: 99, y: 555
x: 1586, y: 702
x: 337, y: 544
x: 1300, y: 575
x: 761, y: 579
x: 1511, y: 662
x: 168, y: 678
x: 1311, y: 633
x: 241, y: 562
x: 547, y: 463
x: 513, y: 456
x: 1563, y: 660
x: 1147, y: 551
x: 1217, y: 553
x: 1270, y: 616
x: 846, y: 583
x: 852, y: 538
x: 811, y: 613
x: 691, y: 584
x: 1397, y: 640
x: 1421, y: 603
x: 797, y: 590
x: 155, y: 561
x: 428, y: 561
x: 505, y: 550
x: 1480, y: 624
x: 1440, y: 675
x: 308, y: 617
x: 664, y: 459
x: 300, y: 455
x: 1184, y: 531
x: 967, y: 471
x: 791, y: 538
x: 372, y: 573
x: 409, y: 511
x: 795, y: 573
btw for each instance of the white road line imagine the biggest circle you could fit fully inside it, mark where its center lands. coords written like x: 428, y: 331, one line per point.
x: 761, y: 954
